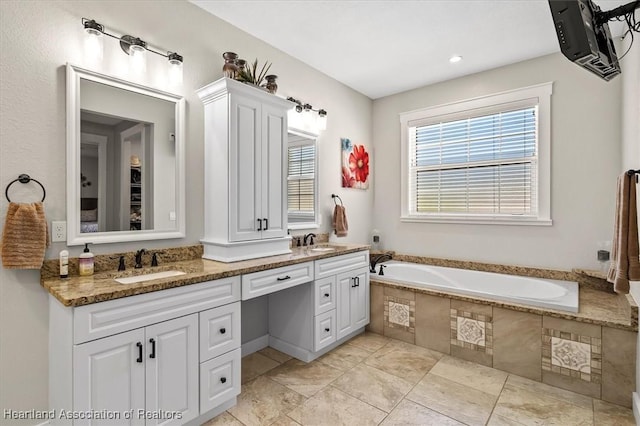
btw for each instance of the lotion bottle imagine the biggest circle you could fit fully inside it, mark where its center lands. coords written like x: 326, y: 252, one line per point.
x: 86, y: 261
x: 64, y: 264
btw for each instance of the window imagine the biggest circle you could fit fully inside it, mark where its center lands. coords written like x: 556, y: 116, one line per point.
x: 484, y: 160
x: 301, y: 182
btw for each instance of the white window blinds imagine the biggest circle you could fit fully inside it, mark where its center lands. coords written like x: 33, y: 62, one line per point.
x: 301, y: 180
x: 478, y: 165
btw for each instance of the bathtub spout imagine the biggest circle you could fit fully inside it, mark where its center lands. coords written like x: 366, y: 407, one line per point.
x: 375, y: 260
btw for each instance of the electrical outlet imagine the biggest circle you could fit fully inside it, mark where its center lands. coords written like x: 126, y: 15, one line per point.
x: 58, y: 231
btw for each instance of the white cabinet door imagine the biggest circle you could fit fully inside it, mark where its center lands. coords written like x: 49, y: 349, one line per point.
x: 245, y: 180
x: 109, y: 375
x: 353, y: 301
x: 360, y: 299
x: 346, y: 283
x: 172, y: 365
x: 274, y: 134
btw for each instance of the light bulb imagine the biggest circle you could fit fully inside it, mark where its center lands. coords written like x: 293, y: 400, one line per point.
x: 93, y: 45
x: 175, y: 69
x: 138, y: 59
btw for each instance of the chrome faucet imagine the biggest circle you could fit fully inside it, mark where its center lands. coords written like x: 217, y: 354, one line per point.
x: 139, y: 254
x: 310, y: 236
x: 374, y: 261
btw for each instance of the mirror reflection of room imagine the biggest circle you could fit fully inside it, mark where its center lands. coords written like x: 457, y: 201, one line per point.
x: 127, y: 160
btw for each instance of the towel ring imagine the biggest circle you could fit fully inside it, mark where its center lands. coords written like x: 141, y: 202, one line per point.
x: 334, y: 196
x: 24, y: 178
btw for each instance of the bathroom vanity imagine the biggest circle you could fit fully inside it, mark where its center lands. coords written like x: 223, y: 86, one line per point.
x: 168, y: 351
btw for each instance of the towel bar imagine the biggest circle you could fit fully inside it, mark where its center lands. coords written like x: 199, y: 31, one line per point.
x: 24, y: 178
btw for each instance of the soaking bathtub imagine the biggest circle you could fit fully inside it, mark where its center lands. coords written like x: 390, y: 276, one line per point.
x: 551, y: 294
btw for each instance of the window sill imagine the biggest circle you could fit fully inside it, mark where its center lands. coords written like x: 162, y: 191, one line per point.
x: 484, y: 220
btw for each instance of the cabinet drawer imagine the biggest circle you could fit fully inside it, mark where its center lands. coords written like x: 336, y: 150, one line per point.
x: 115, y: 316
x: 219, y: 330
x: 325, y: 330
x: 219, y: 380
x: 338, y: 264
x: 325, y: 295
x: 269, y: 281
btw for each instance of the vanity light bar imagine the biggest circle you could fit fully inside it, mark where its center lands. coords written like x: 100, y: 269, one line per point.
x: 129, y: 44
x: 306, y: 107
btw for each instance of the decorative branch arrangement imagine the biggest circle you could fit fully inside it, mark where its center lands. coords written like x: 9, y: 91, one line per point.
x: 249, y: 74
x: 238, y: 69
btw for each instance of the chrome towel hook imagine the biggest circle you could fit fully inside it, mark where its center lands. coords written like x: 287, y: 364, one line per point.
x: 24, y: 178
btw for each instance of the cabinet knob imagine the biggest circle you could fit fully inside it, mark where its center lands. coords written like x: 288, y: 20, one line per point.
x: 326, y: 295
x: 327, y: 329
x: 223, y: 380
x: 223, y: 330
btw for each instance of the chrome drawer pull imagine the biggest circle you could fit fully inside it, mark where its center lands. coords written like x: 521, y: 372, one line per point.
x: 284, y: 279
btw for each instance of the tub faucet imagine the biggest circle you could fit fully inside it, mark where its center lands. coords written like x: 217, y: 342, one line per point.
x: 375, y: 260
x: 139, y: 254
x: 310, y: 236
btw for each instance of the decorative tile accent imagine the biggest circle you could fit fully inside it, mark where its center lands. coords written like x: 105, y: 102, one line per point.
x: 400, y: 313
x: 572, y: 355
x: 472, y: 331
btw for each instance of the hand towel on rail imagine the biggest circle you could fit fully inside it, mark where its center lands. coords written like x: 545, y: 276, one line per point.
x: 340, y: 224
x: 25, y: 236
x: 625, y: 264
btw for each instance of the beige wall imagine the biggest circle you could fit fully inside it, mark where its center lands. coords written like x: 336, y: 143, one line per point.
x: 37, y: 39
x: 585, y: 158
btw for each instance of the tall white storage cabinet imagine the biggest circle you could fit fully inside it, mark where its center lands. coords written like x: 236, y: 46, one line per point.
x: 245, y: 172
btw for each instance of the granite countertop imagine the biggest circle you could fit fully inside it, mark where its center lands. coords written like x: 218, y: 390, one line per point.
x: 100, y: 287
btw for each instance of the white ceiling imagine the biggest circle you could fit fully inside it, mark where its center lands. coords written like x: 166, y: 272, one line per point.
x: 381, y: 47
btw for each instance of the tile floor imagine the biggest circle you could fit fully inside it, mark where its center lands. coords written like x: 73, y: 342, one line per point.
x: 374, y: 380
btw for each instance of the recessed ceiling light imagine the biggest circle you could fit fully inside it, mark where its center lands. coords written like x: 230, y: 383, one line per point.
x: 455, y: 58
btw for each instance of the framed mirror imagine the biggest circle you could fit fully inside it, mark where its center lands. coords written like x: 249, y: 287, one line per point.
x: 125, y: 160
x: 302, y: 180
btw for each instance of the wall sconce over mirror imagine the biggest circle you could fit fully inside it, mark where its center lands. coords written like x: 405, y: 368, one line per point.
x: 308, y: 121
x: 133, y: 46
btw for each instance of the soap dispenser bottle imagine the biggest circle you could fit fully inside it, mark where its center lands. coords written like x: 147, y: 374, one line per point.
x: 85, y: 263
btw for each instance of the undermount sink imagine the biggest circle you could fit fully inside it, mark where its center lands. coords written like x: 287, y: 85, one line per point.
x: 322, y: 249
x: 148, y: 277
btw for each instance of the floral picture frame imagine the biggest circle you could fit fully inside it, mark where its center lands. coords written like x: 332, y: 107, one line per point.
x: 355, y: 165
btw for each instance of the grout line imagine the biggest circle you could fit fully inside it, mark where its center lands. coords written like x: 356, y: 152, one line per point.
x: 495, y: 404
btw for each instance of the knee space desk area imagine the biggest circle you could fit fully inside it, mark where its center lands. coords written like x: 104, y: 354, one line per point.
x: 171, y: 347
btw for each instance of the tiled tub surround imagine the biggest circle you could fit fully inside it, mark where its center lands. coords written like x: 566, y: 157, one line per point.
x: 100, y: 287
x: 591, y: 352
